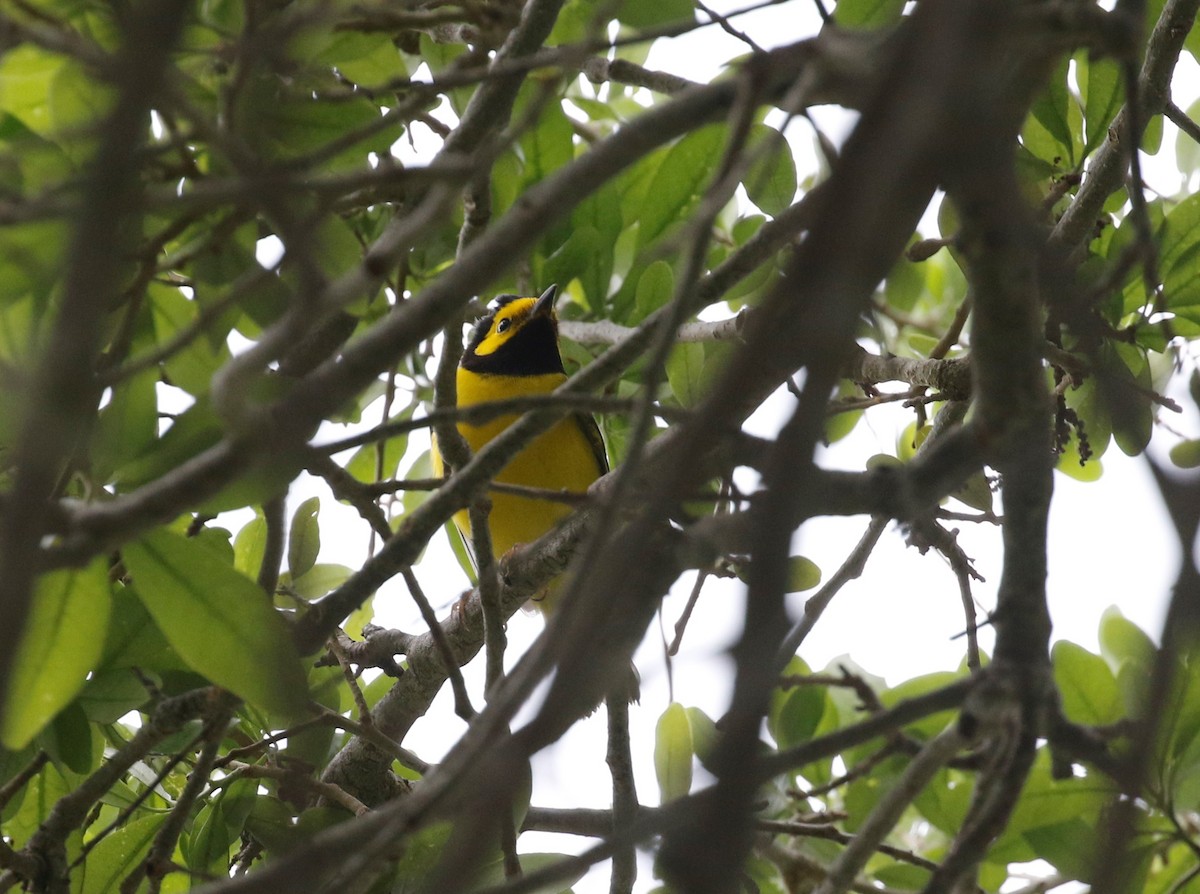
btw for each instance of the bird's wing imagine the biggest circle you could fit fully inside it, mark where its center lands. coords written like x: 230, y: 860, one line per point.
x: 591, y: 431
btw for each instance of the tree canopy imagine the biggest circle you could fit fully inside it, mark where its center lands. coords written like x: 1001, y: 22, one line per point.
x: 239, y: 241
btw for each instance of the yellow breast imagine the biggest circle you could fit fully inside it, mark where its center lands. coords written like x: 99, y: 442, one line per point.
x: 559, y: 459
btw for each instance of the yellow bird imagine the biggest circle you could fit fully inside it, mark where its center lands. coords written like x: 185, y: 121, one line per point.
x: 513, y: 352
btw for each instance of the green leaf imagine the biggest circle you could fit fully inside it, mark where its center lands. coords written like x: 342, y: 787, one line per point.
x: 571, y: 259
x: 31, y: 256
x: 765, y: 877
x: 655, y: 287
x: 685, y: 372
x: 62, y: 642
x: 803, y: 574
x: 1089, y: 403
x: 640, y: 14
x: 867, y: 13
x: 1128, y: 375
x: 249, y: 547
x: 975, y: 492
x: 367, y: 465
x: 1186, y: 454
x: 771, y: 181
x: 796, y: 711
x: 1086, y: 684
x: 320, y: 579
x: 1184, y: 776
x: 191, y: 432
x: 26, y: 73
x: 930, y: 726
x: 945, y: 801
x: 1187, y: 149
x: 704, y: 734
x: 304, y: 543
x: 69, y: 740
x: 127, y: 426
x: 1071, y: 464
x: 1055, y: 110
x: 600, y: 211
x: 218, y: 825
x: 111, y: 694
x: 1046, y: 801
x: 78, y: 101
x: 192, y: 367
x: 677, y: 185
x: 118, y: 854
x: 367, y: 59
x: 280, y: 121
x: 548, y: 146
x: 1069, y: 846
x: 218, y: 620
x: 673, y: 753
x: 134, y: 640
x: 42, y: 792
x: 1100, y: 82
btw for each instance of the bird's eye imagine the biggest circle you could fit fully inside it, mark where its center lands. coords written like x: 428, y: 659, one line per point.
x: 504, y: 325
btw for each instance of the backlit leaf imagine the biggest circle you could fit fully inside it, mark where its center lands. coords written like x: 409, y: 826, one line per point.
x: 246, y: 647
x: 62, y: 642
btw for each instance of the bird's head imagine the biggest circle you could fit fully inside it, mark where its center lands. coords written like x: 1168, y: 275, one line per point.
x: 518, y: 337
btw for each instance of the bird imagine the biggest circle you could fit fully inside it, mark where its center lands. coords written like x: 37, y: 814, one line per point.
x: 513, y: 352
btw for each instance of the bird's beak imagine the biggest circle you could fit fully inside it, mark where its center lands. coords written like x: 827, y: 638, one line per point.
x: 544, y: 307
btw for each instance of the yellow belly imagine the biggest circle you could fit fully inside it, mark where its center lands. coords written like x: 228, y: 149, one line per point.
x: 560, y: 459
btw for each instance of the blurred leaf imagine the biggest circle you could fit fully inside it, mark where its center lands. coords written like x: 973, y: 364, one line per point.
x: 249, y: 547
x: 61, y: 644
x: 803, y: 574
x: 246, y: 646
x: 1086, y: 685
x: 282, y: 121
x: 1071, y: 464
x: 867, y: 13
x: 70, y: 742
x: 930, y: 726
x: 1100, y: 83
x: 218, y: 825
x: 639, y: 14
x: 655, y: 288
x: 976, y: 492
x: 549, y: 145
x: 1186, y: 454
x: 1069, y: 846
x: 191, y: 432
x: 600, y: 211
x: 771, y: 181
x: 1089, y: 403
x: 320, y: 579
x: 571, y: 259
x: 1058, y: 115
x: 796, y: 713
x: 1123, y: 642
x: 685, y: 371
x: 128, y: 426
x: 26, y: 73
x: 704, y: 734
x: 673, y: 753
x: 192, y: 367
x: 31, y: 256
x: 118, y: 854
x: 679, y: 181
x: 111, y: 694
x: 945, y: 801
x: 304, y: 542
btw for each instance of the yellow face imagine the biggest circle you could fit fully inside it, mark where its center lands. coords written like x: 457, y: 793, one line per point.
x: 506, y: 323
